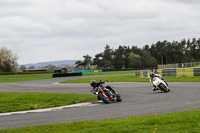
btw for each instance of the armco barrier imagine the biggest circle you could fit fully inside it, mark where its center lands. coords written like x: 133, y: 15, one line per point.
x: 168, y: 72
x: 196, y: 71
x: 189, y: 72
x: 146, y: 73
x: 159, y: 71
x: 171, y: 72
x: 143, y: 73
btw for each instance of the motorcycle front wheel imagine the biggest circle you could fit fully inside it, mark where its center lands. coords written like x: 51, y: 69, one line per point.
x: 163, y: 87
x: 105, y: 97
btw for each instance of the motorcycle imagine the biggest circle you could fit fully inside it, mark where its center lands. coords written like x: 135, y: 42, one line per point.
x: 105, y: 93
x: 159, y: 84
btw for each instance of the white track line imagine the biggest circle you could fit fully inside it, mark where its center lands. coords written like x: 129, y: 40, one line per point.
x: 55, y: 83
x: 49, y: 109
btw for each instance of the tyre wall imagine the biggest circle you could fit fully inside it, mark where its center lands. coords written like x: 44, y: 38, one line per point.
x: 170, y: 72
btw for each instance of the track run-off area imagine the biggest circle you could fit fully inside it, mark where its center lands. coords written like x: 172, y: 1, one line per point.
x: 137, y: 99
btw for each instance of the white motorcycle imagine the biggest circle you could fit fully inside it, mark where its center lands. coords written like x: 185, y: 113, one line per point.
x: 159, y: 84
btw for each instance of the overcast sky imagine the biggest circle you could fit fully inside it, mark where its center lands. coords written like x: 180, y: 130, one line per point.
x: 49, y: 30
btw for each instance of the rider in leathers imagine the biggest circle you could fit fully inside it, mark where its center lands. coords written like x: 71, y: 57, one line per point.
x: 152, y: 75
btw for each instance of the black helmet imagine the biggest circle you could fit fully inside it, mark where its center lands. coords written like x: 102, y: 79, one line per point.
x: 152, y: 74
x: 93, y: 83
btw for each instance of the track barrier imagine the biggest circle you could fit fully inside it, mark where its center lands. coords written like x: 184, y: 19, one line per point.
x: 87, y: 71
x: 171, y: 72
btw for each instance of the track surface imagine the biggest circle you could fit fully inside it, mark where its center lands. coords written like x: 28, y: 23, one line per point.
x: 138, y: 99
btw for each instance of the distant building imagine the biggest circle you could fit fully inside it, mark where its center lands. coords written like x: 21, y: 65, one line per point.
x: 60, y: 70
x: 36, y: 70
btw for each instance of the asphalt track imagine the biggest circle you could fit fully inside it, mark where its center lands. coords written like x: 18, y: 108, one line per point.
x: 138, y: 99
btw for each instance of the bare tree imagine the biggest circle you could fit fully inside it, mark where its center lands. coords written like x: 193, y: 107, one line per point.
x: 50, y: 67
x: 22, y: 67
x: 8, y: 60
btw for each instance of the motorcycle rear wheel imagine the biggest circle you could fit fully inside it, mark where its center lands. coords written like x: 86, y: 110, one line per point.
x: 119, y: 99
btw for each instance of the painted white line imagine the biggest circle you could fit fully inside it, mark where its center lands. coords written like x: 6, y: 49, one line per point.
x: 49, y: 109
x: 56, y: 83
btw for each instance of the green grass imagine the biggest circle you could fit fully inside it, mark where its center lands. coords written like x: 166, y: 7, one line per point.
x: 133, y: 78
x: 24, y: 77
x: 183, y: 79
x: 180, y: 122
x: 123, y: 78
x: 10, y: 102
x: 109, y: 73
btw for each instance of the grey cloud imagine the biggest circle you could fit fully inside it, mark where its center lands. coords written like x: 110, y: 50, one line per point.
x: 86, y: 26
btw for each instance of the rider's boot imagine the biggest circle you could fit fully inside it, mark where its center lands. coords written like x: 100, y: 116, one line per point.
x: 154, y: 88
x: 168, y: 89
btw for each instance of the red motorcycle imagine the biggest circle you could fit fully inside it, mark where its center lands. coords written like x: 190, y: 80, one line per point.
x: 106, y: 94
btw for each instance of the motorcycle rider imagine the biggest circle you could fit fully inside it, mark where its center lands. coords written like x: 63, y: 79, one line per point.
x: 152, y: 75
x: 112, y: 91
x: 93, y: 83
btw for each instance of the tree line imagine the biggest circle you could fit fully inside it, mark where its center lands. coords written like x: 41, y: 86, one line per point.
x: 127, y: 57
x: 149, y: 56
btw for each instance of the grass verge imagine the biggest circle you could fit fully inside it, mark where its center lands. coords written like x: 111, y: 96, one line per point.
x: 180, y: 122
x: 24, y: 77
x: 122, y: 78
x: 133, y: 78
x: 10, y: 102
x: 109, y: 73
x: 183, y: 79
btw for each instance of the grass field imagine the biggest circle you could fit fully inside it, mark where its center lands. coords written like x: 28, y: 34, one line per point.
x: 133, y: 78
x: 24, y: 77
x: 109, y: 73
x: 10, y: 102
x: 123, y: 78
x: 180, y: 122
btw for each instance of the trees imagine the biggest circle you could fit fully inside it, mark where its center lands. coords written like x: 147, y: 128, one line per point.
x: 162, y: 52
x: 198, y: 50
x: 147, y: 61
x: 98, y: 60
x: 134, y: 60
x: 131, y: 60
x: 119, y: 58
x: 8, y: 60
x: 22, y: 67
x: 87, y: 60
x: 86, y: 63
x: 50, y: 67
x: 104, y: 59
x: 160, y: 47
x: 79, y: 63
x: 107, y: 57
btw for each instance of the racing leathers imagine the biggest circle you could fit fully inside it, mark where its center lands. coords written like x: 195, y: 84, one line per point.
x: 151, y: 80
